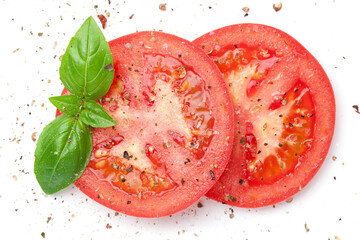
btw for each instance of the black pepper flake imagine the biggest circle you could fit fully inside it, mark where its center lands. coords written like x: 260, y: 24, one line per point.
x: 296, y: 89
x: 128, y: 202
x: 209, y: 87
x: 235, y: 46
x: 200, y: 205
x: 182, y: 181
x: 312, y: 115
x: 259, y: 152
x: 291, y: 125
x: 126, y: 155
x: 212, y: 175
x: 129, y: 169
x: 187, y: 161
x: 241, y: 181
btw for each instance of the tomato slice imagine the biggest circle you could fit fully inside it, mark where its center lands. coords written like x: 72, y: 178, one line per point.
x: 284, y: 113
x: 174, y: 130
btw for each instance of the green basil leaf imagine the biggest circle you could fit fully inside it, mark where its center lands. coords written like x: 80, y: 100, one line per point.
x: 86, y: 67
x: 94, y: 115
x: 69, y: 104
x: 62, y: 152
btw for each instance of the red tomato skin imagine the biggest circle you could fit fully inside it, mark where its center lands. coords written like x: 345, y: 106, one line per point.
x: 198, y: 180
x: 313, y: 75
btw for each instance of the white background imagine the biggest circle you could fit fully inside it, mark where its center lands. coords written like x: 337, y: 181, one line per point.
x: 29, y: 63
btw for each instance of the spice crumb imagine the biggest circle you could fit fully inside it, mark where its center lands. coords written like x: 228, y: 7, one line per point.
x: 162, y: 6
x: 277, y: 7
x: 334, y: 158
x: 307, y: 229
x: 356, y: 107
x: 200, y: 205
x: 33, y: 136
x: 43, y: 234
x: 109, y: 67
x: 128, y: 46
x: 246, y: 9
x: 131, y: 16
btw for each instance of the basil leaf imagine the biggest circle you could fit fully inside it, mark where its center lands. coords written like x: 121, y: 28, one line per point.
x: 69, y: 104
x: 94, y: 115
x: 84, y: 68
x: 62, y: 153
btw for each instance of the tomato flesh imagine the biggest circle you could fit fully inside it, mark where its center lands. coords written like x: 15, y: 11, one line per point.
x: 278, y: 89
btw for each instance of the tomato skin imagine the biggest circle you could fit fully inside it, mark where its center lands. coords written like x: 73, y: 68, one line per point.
x: 293, y: 62
x: 191, y: 179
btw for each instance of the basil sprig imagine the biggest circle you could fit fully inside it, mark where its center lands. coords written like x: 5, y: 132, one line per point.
x: 64, y: 147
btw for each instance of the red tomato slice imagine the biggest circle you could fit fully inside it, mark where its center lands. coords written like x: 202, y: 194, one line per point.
x: 174, y: 133
x: 284, y: 113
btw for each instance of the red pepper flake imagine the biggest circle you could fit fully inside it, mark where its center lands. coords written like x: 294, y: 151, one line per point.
x: 108, y: 226
x: 113, y: 108
x: 103, y: 20
x: 356, y: 107
x: 131, y: 16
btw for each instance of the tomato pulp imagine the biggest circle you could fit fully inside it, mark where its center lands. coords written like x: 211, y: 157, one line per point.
x: 284, y: 113
x: 174, y: 129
